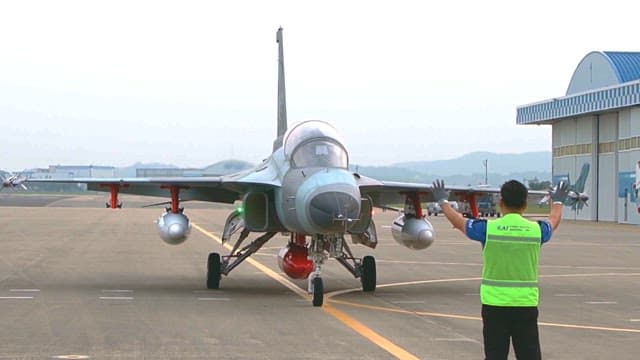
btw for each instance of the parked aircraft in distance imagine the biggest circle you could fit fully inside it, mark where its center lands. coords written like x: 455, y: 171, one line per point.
x: 12, y: 181
x: 305, y: 189
x: 577, y: 197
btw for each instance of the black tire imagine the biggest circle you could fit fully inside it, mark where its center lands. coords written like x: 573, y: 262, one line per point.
x: 368, y: 276
x: 213, y: 271
x: 318, y: 292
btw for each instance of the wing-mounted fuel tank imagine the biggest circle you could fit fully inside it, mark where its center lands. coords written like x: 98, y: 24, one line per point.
x: 174, y: 228
x: 260, y: 213
x: 414, y: 233
x: 411, y: 229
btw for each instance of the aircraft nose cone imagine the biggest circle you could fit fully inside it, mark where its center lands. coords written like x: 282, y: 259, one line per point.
x: 331, y: 210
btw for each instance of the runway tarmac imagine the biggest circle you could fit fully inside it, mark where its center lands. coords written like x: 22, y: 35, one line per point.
x: 81, y: 281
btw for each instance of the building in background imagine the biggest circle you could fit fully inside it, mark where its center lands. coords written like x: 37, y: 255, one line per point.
x: 82, y: 171
x: 66, y: 172
x: 218, y: 169
x: 70, y: 171
x: 597, y: 123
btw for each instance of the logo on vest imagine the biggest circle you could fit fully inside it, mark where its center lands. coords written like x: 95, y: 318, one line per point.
x: 503, y: 227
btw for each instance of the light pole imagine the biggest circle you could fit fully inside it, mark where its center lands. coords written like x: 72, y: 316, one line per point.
x: 486, y: 166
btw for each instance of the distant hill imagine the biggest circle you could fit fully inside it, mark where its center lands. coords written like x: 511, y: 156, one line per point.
x: 467, y: 169
x: 473, y: 162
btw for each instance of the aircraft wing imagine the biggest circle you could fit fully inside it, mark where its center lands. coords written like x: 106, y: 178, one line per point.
x: 207, y: 188
x: 384, y: 193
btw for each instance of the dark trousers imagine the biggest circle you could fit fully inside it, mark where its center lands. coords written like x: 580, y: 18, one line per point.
x: 502, y: 323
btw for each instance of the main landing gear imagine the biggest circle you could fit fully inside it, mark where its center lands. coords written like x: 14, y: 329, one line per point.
x: 213, y: 271
x: 222, y: 265
x: 320, y: 249
x: 298, y: 260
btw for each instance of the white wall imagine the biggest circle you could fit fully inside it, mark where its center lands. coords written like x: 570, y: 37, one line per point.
x: 634, y: 121
x: 571, y: 132
x: 629, y: 126
x: 607, y: 169
x: 624, y: 123
x: 604, y: 183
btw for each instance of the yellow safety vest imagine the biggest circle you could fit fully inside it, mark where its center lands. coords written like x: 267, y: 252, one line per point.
x: 510, y: 262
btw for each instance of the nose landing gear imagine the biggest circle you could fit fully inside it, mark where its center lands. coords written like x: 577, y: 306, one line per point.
x: 336, y: 247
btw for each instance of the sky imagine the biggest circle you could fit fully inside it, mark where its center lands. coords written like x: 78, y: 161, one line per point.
x: 191, y: 83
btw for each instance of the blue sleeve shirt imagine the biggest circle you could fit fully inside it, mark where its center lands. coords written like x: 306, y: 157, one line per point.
x: 476, y: 229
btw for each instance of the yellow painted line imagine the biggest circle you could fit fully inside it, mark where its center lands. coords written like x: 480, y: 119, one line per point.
x: 465, y: 317
x: 427, y: 282
x: 402, y: 311
x: 352, y: 323
x: 420, y: 282
x: 586, y: 327
x: 417, y: 282
x: 369, y: 334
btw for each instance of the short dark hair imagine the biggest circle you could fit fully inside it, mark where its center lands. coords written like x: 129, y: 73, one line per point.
x: 514, y: 194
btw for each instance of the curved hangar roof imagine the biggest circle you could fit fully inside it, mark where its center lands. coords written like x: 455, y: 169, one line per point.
x: 603, y: 80
x: 599, y: 69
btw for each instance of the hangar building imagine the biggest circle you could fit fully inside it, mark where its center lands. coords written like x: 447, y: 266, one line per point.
x: 71, y: 171
x: 596, y: 131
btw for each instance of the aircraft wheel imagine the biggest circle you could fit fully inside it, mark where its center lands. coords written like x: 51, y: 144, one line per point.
x: 318, y: 292
x: 213, y: 271
x: 368, y: 276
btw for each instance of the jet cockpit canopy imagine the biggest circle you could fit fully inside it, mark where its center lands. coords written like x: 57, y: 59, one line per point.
x: 315, y: 143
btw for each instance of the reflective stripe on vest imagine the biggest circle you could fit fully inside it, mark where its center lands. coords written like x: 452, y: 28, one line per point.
x: 510, y: 258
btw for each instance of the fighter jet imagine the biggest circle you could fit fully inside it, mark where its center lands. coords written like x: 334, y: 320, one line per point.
x: 303, y: 189
x: 577, y: 198
x: 12, y: 181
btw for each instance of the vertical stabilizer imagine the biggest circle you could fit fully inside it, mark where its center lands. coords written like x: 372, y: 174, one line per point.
x: 582, y: 179
x: 282, y: 99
